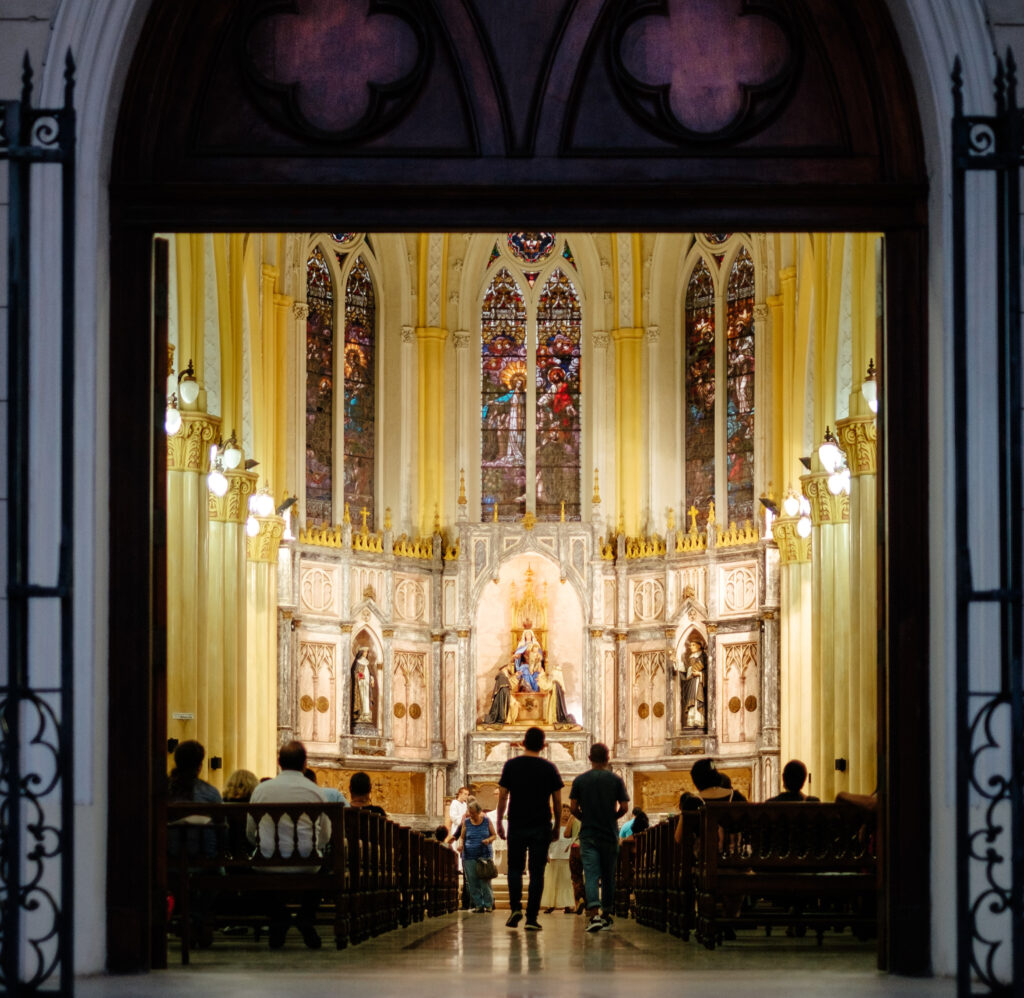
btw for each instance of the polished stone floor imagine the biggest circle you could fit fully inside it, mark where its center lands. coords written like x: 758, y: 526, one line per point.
x: 469, y: 954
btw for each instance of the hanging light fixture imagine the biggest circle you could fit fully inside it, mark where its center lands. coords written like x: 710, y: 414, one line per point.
x: 216, y: 480
x: 172, y: 417
x: 791, y: 503
x: 869, y: 387
x: 188, y: 387
x: 829, y: 452
x: 231, y: 452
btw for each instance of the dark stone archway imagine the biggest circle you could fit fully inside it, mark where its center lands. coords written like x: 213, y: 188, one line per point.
x: 794, y: 115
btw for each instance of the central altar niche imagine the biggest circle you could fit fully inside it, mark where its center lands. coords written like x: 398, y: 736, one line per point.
x: 529, y: 649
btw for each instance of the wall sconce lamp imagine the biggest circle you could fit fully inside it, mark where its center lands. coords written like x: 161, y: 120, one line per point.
x: 231, y: 453
x: 833, y: 460
x: 869, y: 387
x: 188, y: 387
x: 216, y: 480
x: 790, y: 502
x: 172, y: 418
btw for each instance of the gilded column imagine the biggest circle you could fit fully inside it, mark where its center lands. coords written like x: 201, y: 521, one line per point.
x: 431, y: 341
x: 259, y: 710
x: 629, y: 442
x: 795, y: 644
x: 226, y: 629
x: 830, y: 574
x: 858, y: 436
x: 188, y: 463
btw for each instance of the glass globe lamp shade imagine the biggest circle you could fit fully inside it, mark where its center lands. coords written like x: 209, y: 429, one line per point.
x: 189, y: 389
x: 791, y: 505
x: 869, y: 389
x: 217, y: 482
x: 829, y: 453
x: 172, y: 420
x: 803, y: 526
x: 264, y: 504
x: 835, y: 483
x: 232, y: 453
x: 252, y: 526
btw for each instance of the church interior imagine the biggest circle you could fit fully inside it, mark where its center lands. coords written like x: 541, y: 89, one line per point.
x: 425, y: 490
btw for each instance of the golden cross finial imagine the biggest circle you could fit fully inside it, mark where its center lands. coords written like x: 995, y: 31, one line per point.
x: 387, y: 518
x: 597, y: 490
x: 462, y: 486
x: 692, y: 513
x: 348, y: 516
x: 671, y: 518
x: 364, y: 513
x: 711, y: 512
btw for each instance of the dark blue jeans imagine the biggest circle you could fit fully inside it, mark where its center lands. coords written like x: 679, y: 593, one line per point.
x: 533, y: 841
x: 599, y: 860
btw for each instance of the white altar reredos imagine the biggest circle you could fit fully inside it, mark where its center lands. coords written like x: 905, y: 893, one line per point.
x: 437, y: 623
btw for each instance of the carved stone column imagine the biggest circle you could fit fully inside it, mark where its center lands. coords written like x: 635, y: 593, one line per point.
x: 226, y: 627
x: 830, y: 574
x: 858, y: 436
x: 258, y: 678
x: 795, y: 643
x: 622, y: 685
x: 436, y: 660
x: 188, y: 464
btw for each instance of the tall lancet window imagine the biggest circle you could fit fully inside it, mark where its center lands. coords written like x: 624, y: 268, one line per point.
x: 558, y: 399
x: 319, y: 391
x: 503, y: 387
x: 360, y: 395
x: 700, y: 388
x: 739, y: 442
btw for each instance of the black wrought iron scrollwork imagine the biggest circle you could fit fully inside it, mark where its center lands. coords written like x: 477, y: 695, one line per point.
x: 36, y: 807
x: 990, y: 714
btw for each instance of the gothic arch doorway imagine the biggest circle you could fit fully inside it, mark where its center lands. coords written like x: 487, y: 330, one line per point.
x: 430, y: 123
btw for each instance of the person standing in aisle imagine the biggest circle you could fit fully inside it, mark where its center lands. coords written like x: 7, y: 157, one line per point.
x: 535, y: 788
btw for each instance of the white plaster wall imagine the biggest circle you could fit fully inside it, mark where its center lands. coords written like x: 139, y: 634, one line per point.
x: 102, y: 34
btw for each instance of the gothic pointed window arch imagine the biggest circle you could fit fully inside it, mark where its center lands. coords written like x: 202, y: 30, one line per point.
x: 700, y: 387
x: 360, y: 388
x: 718, y: 379
x: 530, y: 370
x: 319, y: 390
x: 739, y: 393
x: 503, y: 383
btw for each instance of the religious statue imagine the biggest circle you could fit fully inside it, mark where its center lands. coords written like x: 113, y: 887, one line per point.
x: 692, y: 668
x: 504, y: 709
x: 530, y: 664
x: 552, y: 679
x: 364, y: 690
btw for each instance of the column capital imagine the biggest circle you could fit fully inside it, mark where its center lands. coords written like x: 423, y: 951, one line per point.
x: 825, y: 507
x: 300, y: 310
x: 189, y: 448
x: 858, y: 436
x: 600, y: 339
x: 792, y: 547
x: 461, y: 338
x: 263, y: 547
x: 233, y: 506
x: 761, y: 312
x: 653, y: 334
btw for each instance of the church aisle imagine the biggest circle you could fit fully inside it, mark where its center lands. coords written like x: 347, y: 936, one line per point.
x: 478, y: 954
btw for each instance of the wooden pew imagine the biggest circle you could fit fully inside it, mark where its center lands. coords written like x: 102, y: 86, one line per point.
x: 208, y: 856
x: 681, y: 892
x: 798, y: 865
x: 624, y: 879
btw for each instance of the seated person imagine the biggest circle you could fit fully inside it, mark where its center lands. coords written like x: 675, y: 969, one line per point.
x: 794, y: 776
x: 708, y: 782
x: 359, y: 787
x: 239, y: 787
x: 638, y: 823
x: 331, y: 794
x: 290, y: 786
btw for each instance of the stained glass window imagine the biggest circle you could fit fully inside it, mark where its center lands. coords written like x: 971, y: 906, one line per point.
x: 531, y: 247
x: 717, y: 238
x: 700, y: 388
x: 567, y: 255
x: 503, y: 383
x: 360, y: 401
x: 558, y: 399
x: 740, y: 389
x: 343, y: 238
x: 319, y: 390
x: 495, y: 253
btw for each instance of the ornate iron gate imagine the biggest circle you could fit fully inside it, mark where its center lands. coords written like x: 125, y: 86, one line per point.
x: 36, y: 805
x: 988, y: 156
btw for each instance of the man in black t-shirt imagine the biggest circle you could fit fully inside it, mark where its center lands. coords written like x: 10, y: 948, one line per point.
x: 534, y: 785
x: 599, y: 798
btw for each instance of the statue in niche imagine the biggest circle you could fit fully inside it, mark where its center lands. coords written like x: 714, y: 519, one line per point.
x: 364, y: 689
x: 529, y: 662
x: 504, y: 708
x: 692, y: 668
